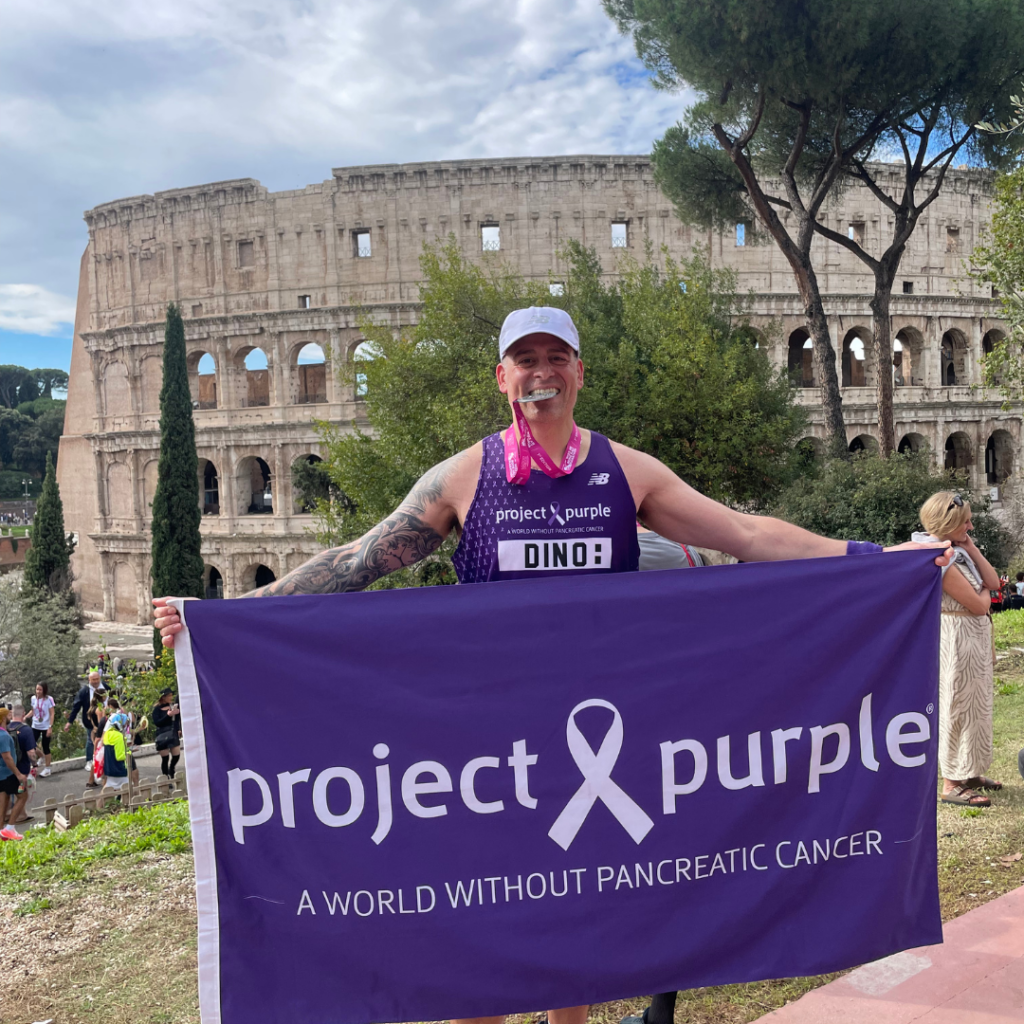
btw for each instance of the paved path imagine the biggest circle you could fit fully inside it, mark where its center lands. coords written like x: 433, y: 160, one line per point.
x: 975, y: 977
x: 73, y: 782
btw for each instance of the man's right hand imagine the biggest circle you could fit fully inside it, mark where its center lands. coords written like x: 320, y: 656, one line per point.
x: 167, y: 619
x: 67, y: 725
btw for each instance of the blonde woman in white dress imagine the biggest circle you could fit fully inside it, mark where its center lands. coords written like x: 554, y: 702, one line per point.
x: 965, y: 658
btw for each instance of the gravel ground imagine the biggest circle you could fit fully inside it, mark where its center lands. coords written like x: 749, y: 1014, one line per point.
x: 121, y: 946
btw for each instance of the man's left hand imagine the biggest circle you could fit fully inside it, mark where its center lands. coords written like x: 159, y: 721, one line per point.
x: 944, y: 546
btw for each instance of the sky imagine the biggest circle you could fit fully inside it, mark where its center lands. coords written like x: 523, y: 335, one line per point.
x: 100, y: 101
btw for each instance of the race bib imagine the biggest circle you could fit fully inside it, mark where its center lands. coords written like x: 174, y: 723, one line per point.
x: 549, y: 555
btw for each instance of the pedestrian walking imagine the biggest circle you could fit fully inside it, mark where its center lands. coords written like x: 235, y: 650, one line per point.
x: 83, y: 702
x: 167, y: 722
x: 25, y: 755
x: 11, y: 778
x: 97, y: 718
x: 43, y: 708
x: 115, y: 755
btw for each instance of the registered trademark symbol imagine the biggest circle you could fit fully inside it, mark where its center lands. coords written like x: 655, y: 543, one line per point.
x: 930, y: 708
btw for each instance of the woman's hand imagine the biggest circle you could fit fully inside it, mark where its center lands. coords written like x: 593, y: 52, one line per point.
x: 167, y: 619
x: 941, y: 561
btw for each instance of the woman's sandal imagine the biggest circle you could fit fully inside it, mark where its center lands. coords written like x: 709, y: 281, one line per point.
x: 983, y: 782
x: 964, y: 796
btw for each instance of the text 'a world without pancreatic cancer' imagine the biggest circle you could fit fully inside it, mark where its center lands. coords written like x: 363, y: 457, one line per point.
x: 340, y: 796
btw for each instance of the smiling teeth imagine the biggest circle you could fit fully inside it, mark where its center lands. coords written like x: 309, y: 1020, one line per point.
x: 539, y: 395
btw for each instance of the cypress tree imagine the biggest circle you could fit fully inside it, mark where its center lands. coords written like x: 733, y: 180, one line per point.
x: 48, y: 561
x: 177, y: 568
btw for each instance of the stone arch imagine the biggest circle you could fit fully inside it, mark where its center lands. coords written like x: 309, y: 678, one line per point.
x: 753, y: 336
x: 959, y: 451
x: 810, y: 450
x: 126, y: 593
x: 908, y: 359
x: 117, y: 397
x: 202, y: 379
x: 119, y: 491
x: 912, y: 443
x: 252, y: 371
x: 991, y: 339
x: 801, y: 364
x: 150, y: 478
x: 361, y: 351
x: 213, y: 581
x: 308, y: 363
x: 256, y: 574
x: 864, y: 443
x: 953, y: 358
x: 209, y: 488
x: 254, y: 486
x: 856, y: 359
x: 151, y: 379
x: 301, y: 503
x: 999, y: 457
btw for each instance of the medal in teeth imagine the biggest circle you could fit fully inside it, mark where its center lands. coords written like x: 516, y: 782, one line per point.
x: 539, y: 395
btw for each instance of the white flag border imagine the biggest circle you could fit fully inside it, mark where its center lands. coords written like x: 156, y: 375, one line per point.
x: 200, y: 811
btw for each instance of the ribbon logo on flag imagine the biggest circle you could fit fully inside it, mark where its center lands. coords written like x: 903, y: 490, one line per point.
x: 555, y: 508
x: 597, y: 782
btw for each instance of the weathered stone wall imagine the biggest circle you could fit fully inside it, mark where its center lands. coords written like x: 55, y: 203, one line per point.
x: 275, y: 271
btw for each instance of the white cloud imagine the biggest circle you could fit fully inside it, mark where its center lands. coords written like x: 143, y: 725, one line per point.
x: 99, y: 101
x: 30, y: 309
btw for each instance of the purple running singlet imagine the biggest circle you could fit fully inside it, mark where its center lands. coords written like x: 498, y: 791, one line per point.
x: 581, y: 523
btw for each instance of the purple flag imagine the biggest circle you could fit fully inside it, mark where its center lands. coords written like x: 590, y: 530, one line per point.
x: 462, y: 801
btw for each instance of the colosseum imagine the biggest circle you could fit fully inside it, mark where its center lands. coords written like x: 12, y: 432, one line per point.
x: 272, y: 286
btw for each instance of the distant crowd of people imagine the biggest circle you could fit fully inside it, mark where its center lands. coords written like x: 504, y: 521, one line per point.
x: 14, y: 519
x: 111, y: 731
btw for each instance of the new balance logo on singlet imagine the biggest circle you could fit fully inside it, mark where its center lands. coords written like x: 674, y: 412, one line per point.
x: 598, y: 478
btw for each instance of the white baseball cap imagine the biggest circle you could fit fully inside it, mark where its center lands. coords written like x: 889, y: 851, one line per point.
x: 538, y: 320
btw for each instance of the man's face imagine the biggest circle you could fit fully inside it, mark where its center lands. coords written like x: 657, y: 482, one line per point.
x: 540, y: 362
x: 94, y: 680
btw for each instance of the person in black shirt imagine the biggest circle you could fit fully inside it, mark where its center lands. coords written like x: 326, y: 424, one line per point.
x: 167, y: 722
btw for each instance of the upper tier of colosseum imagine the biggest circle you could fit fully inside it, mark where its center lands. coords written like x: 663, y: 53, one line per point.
x: 234, y: 247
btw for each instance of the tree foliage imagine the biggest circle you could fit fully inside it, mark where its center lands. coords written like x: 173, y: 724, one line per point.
x: 1001, y: 262
x: 177, y: 564
x: 39, y: 640
x: 48, y: 561
x: 878, y: 500
x: 29, y: 432
x: 671, y: 368
x: 794, y: 98
x: 19, y: 384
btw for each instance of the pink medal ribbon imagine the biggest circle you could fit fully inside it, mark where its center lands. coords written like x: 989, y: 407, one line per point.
x: 518, y: 456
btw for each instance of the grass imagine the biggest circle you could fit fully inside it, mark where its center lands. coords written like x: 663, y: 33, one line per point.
x: 101, y: 922
x: 140, y: 966
x: 46, y: 856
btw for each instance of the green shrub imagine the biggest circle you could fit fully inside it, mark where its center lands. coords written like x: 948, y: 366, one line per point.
x: 873, y: 499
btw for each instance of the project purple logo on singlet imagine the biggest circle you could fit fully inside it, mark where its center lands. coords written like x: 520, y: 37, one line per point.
x: 551, y: 514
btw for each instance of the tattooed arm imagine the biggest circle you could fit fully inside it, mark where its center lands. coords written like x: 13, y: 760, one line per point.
x: 414, y: 530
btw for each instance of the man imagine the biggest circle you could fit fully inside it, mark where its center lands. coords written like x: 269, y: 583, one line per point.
x: 10, y: 778
x: 167, y: 722
x: 25, y: 743
x: 83, y: 701
x: 540, y: 497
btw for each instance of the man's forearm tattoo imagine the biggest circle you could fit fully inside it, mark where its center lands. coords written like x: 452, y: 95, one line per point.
x: 400, y: 540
